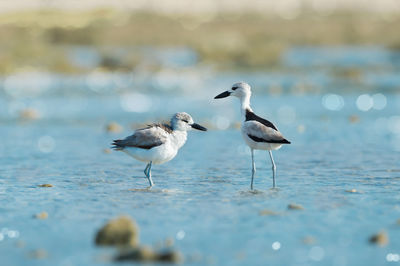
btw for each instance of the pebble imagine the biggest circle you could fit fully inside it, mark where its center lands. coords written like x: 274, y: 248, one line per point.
x: 380, y: 239
x: 141, y: 253
x: 41, y: 216
x: 38, y: 254
x: 121, y: 231
x: 301, y: 129
x: 147, y: 254
x: 309, y: 240
x: 267, y: 212
x: 294, y: 206
x: 107, y: 151
x: 20, y: 244
x: 113, y: 127
x: 45, y: 185
x: 169, y: 242
x: 354, y: 119
x: 29, y: 114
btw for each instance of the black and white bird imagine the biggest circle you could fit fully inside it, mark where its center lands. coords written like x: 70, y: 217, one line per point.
x: 157, y: 143
x: 257, y: 132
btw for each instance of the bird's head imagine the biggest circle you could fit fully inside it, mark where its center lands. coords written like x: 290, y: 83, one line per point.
x: 240, y: 90
x: 184, y: 122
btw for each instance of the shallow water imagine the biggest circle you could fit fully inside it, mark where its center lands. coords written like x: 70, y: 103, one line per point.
x: 202, y: 197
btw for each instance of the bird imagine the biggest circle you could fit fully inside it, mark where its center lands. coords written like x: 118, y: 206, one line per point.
x: 257, y: 132
x: 157, y: 143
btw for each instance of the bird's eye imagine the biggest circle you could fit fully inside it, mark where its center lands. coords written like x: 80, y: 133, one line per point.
x: 185, y: 121
x: 234, y: 88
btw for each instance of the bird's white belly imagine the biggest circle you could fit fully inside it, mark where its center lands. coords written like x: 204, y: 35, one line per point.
x: 259, y: 145
x: 157, y: 155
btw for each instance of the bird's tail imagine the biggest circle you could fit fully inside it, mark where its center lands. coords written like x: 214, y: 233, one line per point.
x: 117, y: 145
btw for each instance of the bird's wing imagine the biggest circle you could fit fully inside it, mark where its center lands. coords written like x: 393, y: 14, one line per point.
x: 251, y: 116
x: 145, y: 138
x: 262, y: 133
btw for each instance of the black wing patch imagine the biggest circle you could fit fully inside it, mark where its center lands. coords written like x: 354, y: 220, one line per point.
x: 120, y: 144
x: 250, y: 116
x: 257, y: 139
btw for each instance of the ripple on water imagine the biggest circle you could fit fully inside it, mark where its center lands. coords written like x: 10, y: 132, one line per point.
x: 204, y: 191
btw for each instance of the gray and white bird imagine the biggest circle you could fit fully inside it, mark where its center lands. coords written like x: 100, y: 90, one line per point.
x: 157, y: 143
x: 257, y: 132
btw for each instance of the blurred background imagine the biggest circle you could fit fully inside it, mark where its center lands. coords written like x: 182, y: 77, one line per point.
x: 74, y: 75
x: 90, y: 49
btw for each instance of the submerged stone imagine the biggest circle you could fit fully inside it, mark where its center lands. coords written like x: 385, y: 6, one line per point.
x: 142, y: 253
x: 113, y: 127
x: 380, y: 239
x: 171, y: 256
x: 169, y: 242
x: 45, y: 185
x: 107, y: 151
x: 41, y: 216
x: 147, y: 254
x: 38, y: 254
x: 20, y: 244
x: 29, y: 114
x: 267, y: 212
x: 354, y: 119
x: 121, y: 231
x: 294, y: 206
x: 309, y: 240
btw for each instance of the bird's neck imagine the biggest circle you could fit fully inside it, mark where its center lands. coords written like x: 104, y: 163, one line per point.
x: 179, y: 138
x: 245, y: 104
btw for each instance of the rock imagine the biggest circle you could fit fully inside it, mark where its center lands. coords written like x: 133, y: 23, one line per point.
x: 380, y: 239
x: 107, y: 151
x: 113, y: 127
x: 45, y: 185
x: 354, y: 119
x: 20, y: 244
x: 147, y: 254
x: 267, y: 212
x: 29, y: 114
x: 301, y: 128
x: 38, y: 254
x: 236, y: 125
x: 142, y: 253
x: 294, y: 206
x: 121, y: 231
x: 169, y: 242
x: 41, y: 216
x: 309, y: 240
x: 171, y: 256
x: 398, y: 222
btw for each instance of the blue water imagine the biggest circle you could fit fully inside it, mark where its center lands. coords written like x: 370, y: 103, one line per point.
x: 202, y: 197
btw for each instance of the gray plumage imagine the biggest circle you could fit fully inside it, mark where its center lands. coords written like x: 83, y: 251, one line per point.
x: 262, y: 130
x: 261, y: 133
x: 145, y: 138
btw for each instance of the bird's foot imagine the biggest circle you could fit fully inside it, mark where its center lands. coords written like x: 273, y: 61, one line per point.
x: 276, y: 189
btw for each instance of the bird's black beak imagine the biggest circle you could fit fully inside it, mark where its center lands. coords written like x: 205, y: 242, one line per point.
x: 197, y: 126
x: 223, y: 95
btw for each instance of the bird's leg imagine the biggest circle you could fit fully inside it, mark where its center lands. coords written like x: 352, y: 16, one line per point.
x: 149, y: 174
x: 273, y: 169
x: 145, y: 169
x: 253, y: 171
